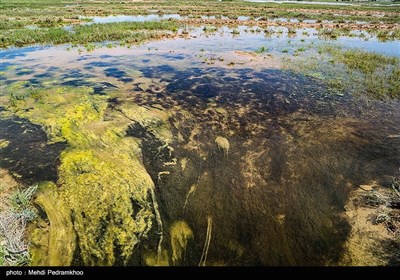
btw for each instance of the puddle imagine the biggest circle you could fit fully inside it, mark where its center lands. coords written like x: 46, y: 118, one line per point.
x: 288, y: 20
x: 250, y: 163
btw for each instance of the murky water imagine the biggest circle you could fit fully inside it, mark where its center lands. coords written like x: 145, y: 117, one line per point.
x: 257, y: 161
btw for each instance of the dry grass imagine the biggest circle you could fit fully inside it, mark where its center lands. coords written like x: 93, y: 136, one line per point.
x: 16, y: 213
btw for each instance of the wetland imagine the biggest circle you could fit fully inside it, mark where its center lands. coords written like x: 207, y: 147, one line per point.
x: 199, y: 133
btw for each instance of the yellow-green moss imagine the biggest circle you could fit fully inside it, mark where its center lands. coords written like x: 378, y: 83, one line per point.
x: 181, y: 233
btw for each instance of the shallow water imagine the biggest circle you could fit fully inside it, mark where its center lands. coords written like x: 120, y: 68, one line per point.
x: 279, y: 39
x: 126, y: 18
x: 274, y: 196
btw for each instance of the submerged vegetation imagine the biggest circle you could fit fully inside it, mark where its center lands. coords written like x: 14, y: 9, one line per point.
x: 380, y: 74
x: 172, y: 167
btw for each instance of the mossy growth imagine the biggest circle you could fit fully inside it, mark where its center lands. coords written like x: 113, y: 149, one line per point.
x: 181, y: 234
x: 101, y: 175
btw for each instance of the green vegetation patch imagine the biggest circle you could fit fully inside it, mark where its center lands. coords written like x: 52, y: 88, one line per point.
x: 355, y: 71
x: 379, y: 74
x: 82, y: 34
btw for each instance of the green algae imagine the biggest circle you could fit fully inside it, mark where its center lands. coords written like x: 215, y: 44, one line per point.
x: 100, y: 175
x: 223, y: 144
x: 181, y: 234
x: 100, y: 189
x: 53, y: 243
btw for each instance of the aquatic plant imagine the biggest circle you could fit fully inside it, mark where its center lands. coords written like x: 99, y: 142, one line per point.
x: 373, y: 199
x: 381, y: 73
x: 388, y: 207
x: 209, y: 28
x: 263, y: 49
x: 356, y: 71
x: 181, y: 234
x: 222, y: 144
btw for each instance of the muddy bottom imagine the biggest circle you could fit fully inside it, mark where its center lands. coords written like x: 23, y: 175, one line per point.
x: 251, y: 166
